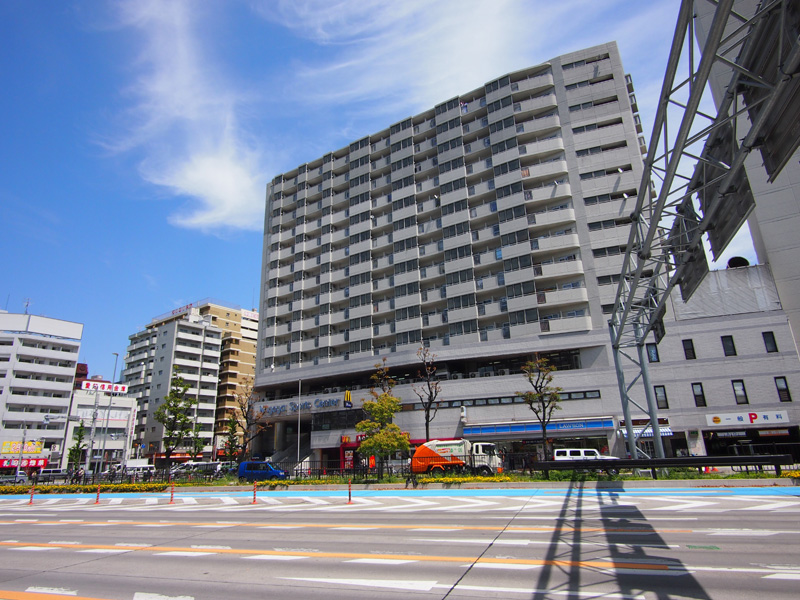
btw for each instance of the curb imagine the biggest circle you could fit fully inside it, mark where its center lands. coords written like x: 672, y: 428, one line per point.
x: 614, y: 485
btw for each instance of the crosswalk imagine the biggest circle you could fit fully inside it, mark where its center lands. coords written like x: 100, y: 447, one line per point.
x: 601, y: 503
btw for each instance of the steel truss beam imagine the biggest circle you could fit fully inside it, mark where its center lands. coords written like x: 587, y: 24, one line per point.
x: 665, y: 244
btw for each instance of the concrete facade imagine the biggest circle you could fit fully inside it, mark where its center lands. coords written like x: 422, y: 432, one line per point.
x: 38, y: 357
x: 486, y: 229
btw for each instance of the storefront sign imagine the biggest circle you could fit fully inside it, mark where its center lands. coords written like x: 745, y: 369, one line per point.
x: 749, y: 418
x: 13, y: 447
x: 99, y: 386
x: 772, y: 432
x: 277, y: 410
x: 535, y: 427
x: 26, y: 462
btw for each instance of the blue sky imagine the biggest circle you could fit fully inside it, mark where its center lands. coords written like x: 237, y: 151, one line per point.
x: 137, y: 138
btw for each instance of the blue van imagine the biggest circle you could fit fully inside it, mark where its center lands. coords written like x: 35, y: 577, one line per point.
x: 259, y: 471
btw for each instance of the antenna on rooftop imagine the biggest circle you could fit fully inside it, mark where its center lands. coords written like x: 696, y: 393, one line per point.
x: 27, y: 304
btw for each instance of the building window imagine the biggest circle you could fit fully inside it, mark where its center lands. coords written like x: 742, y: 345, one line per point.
x: 688, y: 350
x: 728, y: 346
x: 652, y: 353
x: 783, y: 389
x: 699, y: 395
x: 739, y: 392
x: 661, y: 397
x: 769, y: 341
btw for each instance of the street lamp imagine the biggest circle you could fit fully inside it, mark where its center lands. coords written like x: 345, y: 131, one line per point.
x: 108, y: 411
x: 22, y: 446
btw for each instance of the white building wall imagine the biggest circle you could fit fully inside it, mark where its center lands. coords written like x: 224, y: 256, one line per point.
x: 38, y: 358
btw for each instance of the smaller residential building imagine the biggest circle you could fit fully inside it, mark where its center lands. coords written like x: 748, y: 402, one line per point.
x: 107, y: 419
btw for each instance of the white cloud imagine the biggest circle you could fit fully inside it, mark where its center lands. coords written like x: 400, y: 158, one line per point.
x: 184, y: 118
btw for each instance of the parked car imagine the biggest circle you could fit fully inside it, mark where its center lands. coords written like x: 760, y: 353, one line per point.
x: 13, y: 479
x: 585, y: 454
x: 52, y: 476
x: 259, y: 471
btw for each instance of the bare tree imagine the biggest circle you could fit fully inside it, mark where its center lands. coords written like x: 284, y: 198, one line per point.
x: 545, y: 398
x: 249, y: 421
x: 428, y: 390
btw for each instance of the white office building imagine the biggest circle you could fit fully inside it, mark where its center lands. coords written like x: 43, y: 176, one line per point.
x: 38, y: 357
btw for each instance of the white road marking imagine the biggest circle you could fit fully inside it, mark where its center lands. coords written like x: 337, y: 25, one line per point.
x: 274, y: 557
x: 200, y: 547
x: 105, y: 551
x: 47, y: 590
x: 791, y: 576
x: 148, y: 596
x: 177, y: 553
x: 419, y: 586
x: 32, y: 548
x: 226, y: 499
x: 504, y: 566
x: 380, y: 561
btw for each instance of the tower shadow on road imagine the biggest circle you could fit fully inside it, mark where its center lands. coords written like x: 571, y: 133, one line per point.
x: 624, y: 547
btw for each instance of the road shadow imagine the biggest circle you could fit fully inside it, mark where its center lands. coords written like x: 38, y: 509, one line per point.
x: 595, y: 532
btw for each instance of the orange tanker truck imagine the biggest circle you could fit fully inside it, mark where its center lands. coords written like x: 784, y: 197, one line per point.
x: 460, y: 456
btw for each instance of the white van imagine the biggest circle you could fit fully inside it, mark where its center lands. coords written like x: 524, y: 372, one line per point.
x: 584, y: 454
x: 141, y: 470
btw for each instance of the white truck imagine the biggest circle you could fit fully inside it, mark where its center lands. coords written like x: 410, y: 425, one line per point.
x: 457, y: 456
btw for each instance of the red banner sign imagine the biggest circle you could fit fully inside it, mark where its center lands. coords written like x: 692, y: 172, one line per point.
x: 26, y: 462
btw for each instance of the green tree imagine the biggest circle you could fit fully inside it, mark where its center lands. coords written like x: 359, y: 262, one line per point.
x: 232, y: 439
x: 75, y: 453
x: 196, y: 442
x: 545, y: 398
x: 428, y: 390
x: 175, y: 415
x: 382, y: 438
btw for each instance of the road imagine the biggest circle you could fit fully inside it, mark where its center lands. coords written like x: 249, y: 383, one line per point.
x: 569, y: 543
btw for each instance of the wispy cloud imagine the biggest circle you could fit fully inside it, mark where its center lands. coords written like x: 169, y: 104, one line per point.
x: 183, y: 117
x: 412, y: 54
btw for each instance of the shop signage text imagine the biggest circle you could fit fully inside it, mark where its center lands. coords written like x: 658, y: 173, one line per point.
x: 13, y: 447
x: 749, y: 418
x: 116, y: 388
x: 26, y: 462
x: 292, y: 407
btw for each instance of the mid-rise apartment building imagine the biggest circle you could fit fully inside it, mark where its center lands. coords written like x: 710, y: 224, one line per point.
x: 487, y: 229
x: 212, y: 345
x: 38, y: 358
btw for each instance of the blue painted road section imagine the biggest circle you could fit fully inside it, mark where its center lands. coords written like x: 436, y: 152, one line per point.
x: 777, y: 491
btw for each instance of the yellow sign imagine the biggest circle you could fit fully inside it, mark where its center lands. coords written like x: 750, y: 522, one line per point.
x: 13, y: 448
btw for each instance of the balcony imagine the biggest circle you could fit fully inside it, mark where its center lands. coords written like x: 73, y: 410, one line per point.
x: 572, y: 325
x: 559, y: 269
x: 547, y: 146
x: 544, y: 170
x: 533, y: 84
x: 555, y: 242
x: 552, y: 217
x: 539, y: 125
x: 538, y: 103
x: 561, y: 297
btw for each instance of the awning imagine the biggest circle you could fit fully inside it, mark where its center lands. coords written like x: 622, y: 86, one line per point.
x: 637, y: 432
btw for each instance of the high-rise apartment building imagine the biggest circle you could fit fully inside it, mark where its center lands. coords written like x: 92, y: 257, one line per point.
x: 212, y: 345
x: 488, y: 229
x: 38, y: 358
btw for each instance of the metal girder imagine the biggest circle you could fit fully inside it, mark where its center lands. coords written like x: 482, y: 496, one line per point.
x: 699, y: 165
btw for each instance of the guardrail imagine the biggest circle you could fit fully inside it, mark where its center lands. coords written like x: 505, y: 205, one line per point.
x: 777, y: 461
